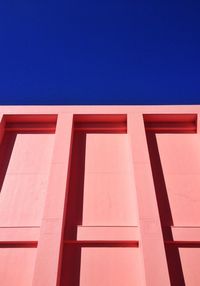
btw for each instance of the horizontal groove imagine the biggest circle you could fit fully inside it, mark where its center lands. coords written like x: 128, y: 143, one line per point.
x: 170, y: 117
x: 183, y: 243
x: 185, y: 227
x: 109, y: 226
x: 184, y: 123
x: 30, y: 118
x: 33, y: 127
x: 102, y: 130
x: 19, y: 227
x: 104, y: 123
x: 100, y: 127
x: 18, y: 244
x: 170, y: 127
x: 28, y: 130
x: 102, y: 243
x: 100, y: 118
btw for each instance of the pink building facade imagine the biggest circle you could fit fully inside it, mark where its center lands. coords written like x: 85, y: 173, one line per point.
x: 99, y: 195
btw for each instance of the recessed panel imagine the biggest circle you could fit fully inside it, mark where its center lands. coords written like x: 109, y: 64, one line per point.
x: 183, y: 264
x: 101, y: 266
x: 180, y: 161
x: 17, y: 266
x: 24, y: 184
x: 109, y: 190
x: 189, y: 260
x: 110, y: 266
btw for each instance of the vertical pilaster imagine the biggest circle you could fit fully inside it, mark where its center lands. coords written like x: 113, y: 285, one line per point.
x: 48, y: 251
x: 151, y: 238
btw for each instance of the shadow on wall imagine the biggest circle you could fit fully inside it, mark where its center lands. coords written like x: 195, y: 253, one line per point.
x: 6, y: 149
x: 71, y: 252
x: 70, y: 274
x: 172, y: 253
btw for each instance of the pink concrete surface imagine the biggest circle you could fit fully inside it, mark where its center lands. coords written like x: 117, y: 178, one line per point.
x: 99, y: 195
x: 109, y: 182
x: 180, y: 158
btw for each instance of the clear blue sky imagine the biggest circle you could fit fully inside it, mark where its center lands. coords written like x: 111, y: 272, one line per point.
x: 99, y: 52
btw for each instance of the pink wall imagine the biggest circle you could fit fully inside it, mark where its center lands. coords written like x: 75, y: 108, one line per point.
x: 100, y: 196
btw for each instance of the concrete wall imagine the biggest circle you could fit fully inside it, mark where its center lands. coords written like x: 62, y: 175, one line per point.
x: 99, y: 195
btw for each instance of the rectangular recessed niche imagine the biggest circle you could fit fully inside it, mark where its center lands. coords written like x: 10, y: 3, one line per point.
x: 25, y: 158
x: 101, y: 219
x: 174, y: 150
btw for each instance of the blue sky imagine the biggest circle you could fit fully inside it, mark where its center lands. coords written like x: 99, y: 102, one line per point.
x: 99, y: 52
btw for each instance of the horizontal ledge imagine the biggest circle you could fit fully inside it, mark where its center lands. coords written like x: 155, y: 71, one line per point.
x: 108, y: 226
x: 186, y: 244
x: 107, y: 233
x: 185, y: 227
x: 18, y: 244
x: 102, y: 243
x: 185, y: 233
x: 20, y: 227
x: 13, y: 234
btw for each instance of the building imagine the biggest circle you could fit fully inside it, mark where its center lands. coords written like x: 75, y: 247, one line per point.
x: 99, y: 195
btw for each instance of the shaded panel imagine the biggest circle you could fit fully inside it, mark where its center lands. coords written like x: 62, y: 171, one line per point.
x: 187, y: 272
x: 76, y: 183
x: 101, y: 266
x: 189, y: 260
x: 180, y: 159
